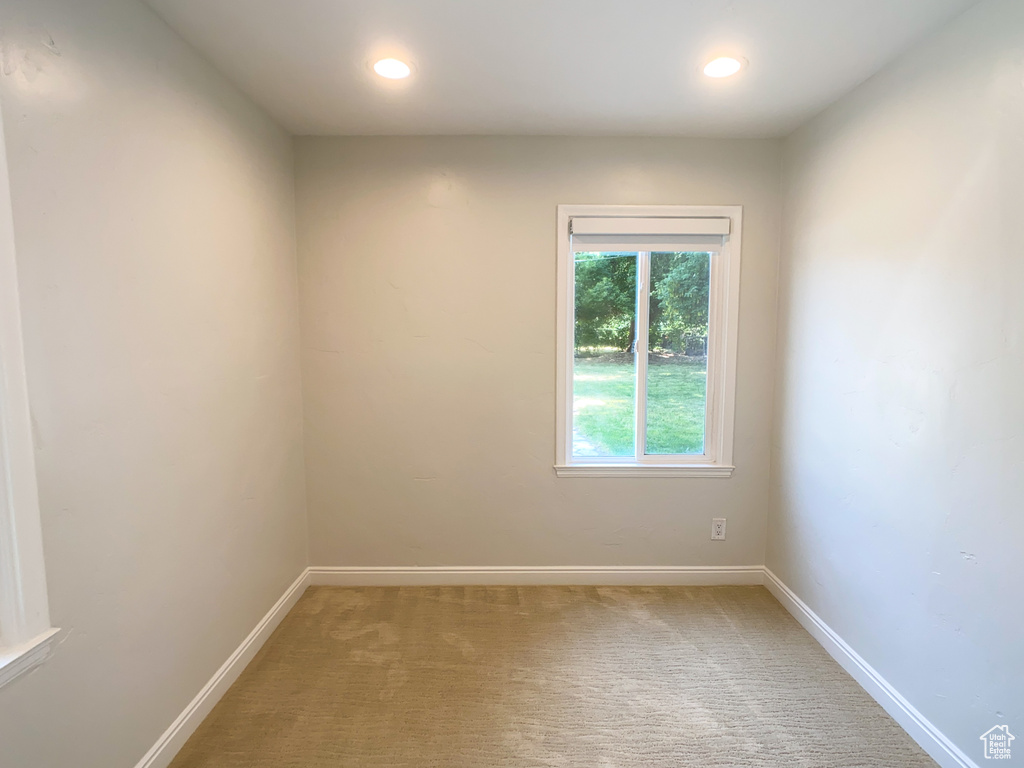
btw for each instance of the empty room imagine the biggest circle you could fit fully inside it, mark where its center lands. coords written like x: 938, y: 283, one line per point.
x: 525, y: 384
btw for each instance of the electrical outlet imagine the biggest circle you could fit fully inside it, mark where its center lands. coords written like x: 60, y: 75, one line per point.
x: 718, y: 528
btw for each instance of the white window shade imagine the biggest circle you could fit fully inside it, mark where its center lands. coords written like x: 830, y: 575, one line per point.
x: 649, y: 225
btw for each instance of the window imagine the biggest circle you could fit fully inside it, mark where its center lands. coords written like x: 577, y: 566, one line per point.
x: 647, y: 320
x: 25, y: 630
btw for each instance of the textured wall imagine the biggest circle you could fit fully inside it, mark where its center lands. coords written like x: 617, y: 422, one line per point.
x: 897, y: 485
x: 154, y: 223
x: 427, y: 276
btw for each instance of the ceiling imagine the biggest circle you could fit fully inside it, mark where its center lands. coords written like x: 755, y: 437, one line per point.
x: 563, y: 67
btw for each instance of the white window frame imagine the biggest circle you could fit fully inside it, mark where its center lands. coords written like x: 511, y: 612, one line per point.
x: 25, y: 631
x: 717, y: 460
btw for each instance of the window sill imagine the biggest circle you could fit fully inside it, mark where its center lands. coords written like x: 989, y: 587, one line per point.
x: 18, y: 659
x: 643, y: 470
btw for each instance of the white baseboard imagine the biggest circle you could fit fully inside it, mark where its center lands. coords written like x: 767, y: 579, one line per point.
x: 544, y: 575
x: 174, y: 738
x: 931, y: 739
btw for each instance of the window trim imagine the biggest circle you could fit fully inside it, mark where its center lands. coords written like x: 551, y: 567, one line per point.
x: 25, y: 631
x: 722, y: 348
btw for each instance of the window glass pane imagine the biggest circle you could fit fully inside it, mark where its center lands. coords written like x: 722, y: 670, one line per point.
x: 677, y: 361
x: 604, y: 366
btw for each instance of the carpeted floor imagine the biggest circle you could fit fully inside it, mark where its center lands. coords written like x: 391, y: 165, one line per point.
x: 581, y: 677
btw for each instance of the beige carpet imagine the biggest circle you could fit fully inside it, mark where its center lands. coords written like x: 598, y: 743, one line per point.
x: 581, y: 677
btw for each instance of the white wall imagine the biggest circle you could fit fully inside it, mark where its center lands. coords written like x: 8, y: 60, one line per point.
x: 427, y: 276
x: 899, y: 447
x: 154, y: 224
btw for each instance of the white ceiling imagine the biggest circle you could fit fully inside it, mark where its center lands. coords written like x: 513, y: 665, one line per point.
x: 578, y: 67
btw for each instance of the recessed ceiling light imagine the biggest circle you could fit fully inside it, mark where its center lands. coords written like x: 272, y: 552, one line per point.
x: 724, y: 66
x: 392, y: 69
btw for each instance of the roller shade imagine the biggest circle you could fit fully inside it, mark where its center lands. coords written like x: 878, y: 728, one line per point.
x: 612, y: 225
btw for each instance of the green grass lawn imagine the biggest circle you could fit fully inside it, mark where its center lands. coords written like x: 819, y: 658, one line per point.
x: 603, y: 403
